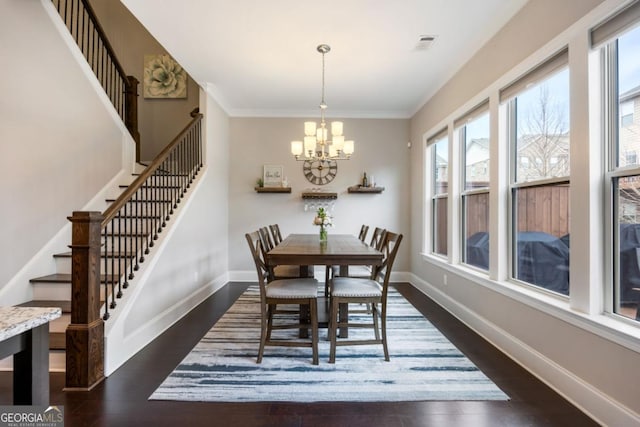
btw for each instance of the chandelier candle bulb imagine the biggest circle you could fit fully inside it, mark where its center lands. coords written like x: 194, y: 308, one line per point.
x: 309, y: 146
x: 310, y: 128
x: 338, y: 142
x: 336, y: 128
x: 296, y: 148
x: 348, y: 148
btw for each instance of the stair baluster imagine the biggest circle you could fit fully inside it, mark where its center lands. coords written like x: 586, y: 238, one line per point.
x: 80, y: 19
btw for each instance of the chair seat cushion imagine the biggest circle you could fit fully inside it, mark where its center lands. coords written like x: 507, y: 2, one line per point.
x: 352, y: 287
x: 293, y: 288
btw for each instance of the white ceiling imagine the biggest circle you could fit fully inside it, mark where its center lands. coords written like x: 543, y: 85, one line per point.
x: 259, y: 57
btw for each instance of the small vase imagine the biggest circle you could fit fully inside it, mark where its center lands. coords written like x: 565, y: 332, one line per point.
x: 323, y: 234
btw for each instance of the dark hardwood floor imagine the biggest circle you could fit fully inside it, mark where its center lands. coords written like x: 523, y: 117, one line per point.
x: 122, y: 399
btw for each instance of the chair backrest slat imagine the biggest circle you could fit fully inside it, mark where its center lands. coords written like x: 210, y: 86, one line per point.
x: 255, y: 246
x: 265, y: 240
x: 377, y: 239
x: 363, y: 232
x: 389, y: 249
x: 275, y: 233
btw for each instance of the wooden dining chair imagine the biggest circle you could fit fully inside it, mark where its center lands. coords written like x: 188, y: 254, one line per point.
x: 278, y: 271
x: 350, y: 290
x: 332, y: 270
x: 364, y: 271
x: 275, y: 233
x: 300, y: 292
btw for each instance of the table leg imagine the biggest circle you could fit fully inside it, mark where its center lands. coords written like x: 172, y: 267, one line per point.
x: 31, y: 369
x: 306, y: 271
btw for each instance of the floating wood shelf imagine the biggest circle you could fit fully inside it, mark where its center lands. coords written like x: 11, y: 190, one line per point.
x: 319, y: 195
x: 361, y: 189
x: 273, y: 189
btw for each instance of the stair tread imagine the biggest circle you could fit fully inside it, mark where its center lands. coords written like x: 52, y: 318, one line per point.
x: 65, y: 278
x: 65, y: 306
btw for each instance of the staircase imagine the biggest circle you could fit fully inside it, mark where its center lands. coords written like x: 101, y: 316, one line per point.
x: 107, y: 247
x: 54, y: 290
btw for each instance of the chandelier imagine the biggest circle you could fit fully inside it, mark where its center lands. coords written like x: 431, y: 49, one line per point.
x: 316, y: 145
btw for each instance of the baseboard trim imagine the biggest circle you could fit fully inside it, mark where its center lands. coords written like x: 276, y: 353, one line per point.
x: 580, y: 393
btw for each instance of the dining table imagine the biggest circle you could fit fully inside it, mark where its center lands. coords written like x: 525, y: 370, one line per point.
x: 307, y: 250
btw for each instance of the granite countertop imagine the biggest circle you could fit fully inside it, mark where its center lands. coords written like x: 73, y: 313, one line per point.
x: 15, y: 320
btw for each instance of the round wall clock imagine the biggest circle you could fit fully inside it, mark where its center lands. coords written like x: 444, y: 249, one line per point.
x: 320, y: 172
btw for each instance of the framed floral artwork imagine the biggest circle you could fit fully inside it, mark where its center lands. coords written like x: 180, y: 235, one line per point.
x: 163, y: 77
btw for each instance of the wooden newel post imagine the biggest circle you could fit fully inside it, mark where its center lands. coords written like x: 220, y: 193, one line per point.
x: 85, y: 334
x: 131, y: 111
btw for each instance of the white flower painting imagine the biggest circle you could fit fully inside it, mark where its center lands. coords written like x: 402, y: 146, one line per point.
x: 164, y: 77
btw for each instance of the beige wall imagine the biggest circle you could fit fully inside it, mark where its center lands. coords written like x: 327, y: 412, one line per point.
x: 160, y: 120
x: 381, y: 150
x: 594, y: 364
x: 59, y: 142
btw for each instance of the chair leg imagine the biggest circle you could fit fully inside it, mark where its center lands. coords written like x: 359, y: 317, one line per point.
x: 333, y: 329
x: 272, y: 307
x: 263, y: 336
x: 384, y: 332
x: 313, y: 309
x: 327, y: 273
x: 374, y: 314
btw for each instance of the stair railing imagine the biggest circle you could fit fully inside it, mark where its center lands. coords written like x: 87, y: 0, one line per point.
x: 107, y: 249
x: 122, y: 90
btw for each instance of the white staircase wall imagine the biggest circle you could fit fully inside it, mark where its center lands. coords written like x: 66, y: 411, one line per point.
x: 190, y: 259
x: 64, y: 147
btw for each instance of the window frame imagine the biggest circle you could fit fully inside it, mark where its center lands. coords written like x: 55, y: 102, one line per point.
x: 435, y: 197
x: 479, y: 112
x: 556, y: 63
x: 613, y: 172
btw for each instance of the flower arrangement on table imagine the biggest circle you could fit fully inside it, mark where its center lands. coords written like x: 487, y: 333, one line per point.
x: 324, y: 220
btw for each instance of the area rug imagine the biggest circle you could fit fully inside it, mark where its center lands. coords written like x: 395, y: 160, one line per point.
x: 424, y: 364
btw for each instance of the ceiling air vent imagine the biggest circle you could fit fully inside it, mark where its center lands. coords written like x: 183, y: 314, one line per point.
x: 425, y: 42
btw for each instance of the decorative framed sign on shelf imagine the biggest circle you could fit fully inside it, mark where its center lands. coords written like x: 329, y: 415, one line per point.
x: 272, y: 176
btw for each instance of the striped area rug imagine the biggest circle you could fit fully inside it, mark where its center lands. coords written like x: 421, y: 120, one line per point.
x: 424, y: 365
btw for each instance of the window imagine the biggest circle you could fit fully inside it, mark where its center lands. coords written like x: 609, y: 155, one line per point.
x: 439, y: 193
x: 474, y: 139
x: 626, y: 112
x: 623, y: 176
x: 538, y: 111
x: 630, y: 157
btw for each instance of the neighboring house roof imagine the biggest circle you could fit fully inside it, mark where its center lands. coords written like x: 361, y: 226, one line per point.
x: 630, y: 94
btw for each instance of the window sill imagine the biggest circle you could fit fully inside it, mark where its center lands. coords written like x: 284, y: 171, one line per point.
x: 604, y: 325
